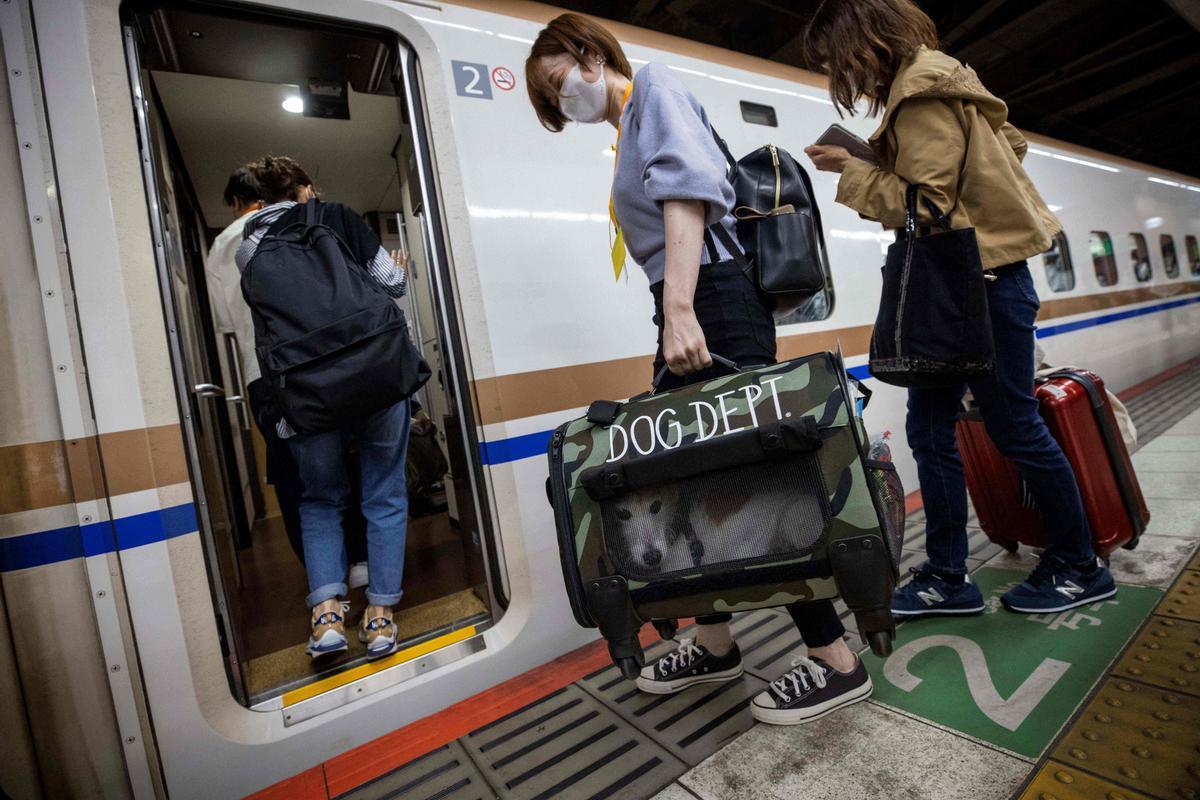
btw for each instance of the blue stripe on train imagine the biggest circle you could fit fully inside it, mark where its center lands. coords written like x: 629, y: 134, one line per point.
x: 97, y: 538
x: 516, y: 448
x: 62, y: 544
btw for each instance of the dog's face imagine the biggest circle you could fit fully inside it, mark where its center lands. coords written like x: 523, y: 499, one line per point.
x: 651, y: 528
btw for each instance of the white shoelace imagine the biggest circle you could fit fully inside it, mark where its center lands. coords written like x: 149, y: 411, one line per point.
x: 683, y: 656
x: 803, y: 668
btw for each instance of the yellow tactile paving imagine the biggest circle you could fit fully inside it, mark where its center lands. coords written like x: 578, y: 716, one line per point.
x: 1141, y: 737
x: 1183, y: 600
x: 1166, y: 653
x: 1056, y: 781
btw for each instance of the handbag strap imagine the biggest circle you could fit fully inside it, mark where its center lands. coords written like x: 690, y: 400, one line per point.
x: 910, y: 208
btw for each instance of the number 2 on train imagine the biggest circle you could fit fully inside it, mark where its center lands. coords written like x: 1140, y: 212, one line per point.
x: 470, y: 80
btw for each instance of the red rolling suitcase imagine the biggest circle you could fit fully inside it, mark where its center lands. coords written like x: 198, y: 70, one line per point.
x: 1076, y: 410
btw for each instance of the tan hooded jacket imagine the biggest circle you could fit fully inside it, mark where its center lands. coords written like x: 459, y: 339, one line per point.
x: 943, y: 130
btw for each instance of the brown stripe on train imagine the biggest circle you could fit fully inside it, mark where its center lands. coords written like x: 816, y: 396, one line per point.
x: 45, y: 474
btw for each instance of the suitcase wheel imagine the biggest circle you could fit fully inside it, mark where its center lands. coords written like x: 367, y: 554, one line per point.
x: 1011, y: 545
x: 629, y: 667
x: 881, y: 642
x: 667, y: 628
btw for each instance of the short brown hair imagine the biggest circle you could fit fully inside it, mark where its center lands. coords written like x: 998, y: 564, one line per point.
x: 862, y: 45
x: 575, y: 35
x: 277, y: 178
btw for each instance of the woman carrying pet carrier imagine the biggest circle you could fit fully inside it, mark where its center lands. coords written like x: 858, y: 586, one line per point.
x: 670, y: 183
x: 943, y: 132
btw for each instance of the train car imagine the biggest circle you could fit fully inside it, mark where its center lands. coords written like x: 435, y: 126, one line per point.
x: 151, y: 640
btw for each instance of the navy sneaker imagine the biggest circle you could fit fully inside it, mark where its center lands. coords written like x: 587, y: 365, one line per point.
x: 1055, y: 585
x: 927, y: 593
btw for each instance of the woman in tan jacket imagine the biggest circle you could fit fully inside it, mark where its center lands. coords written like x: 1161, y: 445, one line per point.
x: 943, y: 131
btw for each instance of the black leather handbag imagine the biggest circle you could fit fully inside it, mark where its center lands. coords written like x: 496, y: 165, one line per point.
x: 779, y: 223
x: 933, y: 327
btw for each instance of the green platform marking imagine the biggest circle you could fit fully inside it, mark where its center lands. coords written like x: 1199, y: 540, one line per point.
x: 1010, y: 679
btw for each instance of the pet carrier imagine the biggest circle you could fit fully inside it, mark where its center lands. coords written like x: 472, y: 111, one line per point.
x: 747, y: 491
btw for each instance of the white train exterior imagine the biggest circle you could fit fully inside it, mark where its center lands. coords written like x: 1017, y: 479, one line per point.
x: 112, y: 681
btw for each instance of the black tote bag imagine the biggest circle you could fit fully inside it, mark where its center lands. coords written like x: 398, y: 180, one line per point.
x: 933, y: 327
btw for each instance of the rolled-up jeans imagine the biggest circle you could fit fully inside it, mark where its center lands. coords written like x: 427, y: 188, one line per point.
x: 382, y: 440
x: 1010, y: 415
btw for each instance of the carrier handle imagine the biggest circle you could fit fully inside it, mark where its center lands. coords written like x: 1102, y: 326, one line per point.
x: 725, y: 362
x: 750, y: 446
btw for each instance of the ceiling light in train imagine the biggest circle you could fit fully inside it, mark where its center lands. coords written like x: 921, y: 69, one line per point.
x: 294, y: 105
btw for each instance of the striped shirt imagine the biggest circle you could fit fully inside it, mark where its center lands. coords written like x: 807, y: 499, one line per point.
x: 380, y: 266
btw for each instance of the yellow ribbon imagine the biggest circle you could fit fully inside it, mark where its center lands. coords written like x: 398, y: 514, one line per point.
x: 618, y: 245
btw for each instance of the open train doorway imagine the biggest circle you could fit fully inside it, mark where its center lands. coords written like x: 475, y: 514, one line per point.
x: 215, y: 88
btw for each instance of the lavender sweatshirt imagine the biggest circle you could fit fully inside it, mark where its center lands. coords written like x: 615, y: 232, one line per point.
x: 666, y: 152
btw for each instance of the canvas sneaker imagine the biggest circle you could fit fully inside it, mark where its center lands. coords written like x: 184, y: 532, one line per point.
x: 378, y: 632
x: 810, y: 690
x: 328, y: 628
x: 687, y: 665
x: 927, y: 593
x: 1055, y: 585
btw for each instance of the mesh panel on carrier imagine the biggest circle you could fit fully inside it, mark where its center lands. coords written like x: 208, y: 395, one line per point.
x: 716, y: 521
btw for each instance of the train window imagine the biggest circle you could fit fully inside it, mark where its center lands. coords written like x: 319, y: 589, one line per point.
x: 1193, y: 253
x: 1101, y: 246
x: 1139, y: 254
x: 1170, y: 259
x: 1060, y: 271
x: 758, y: 114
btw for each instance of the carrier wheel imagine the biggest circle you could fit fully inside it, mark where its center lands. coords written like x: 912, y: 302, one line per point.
x: 1011, y: 545
x: 629, y: 667
x: 667, y: 628
x: 880, y: 642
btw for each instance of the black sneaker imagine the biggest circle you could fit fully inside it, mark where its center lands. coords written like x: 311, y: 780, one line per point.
x: 688, y: 665
x: 810, y: 690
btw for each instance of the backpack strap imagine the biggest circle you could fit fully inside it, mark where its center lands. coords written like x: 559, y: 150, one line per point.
x: 313, y: 214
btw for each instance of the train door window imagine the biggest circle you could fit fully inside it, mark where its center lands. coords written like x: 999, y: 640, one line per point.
x: 1060, y: 270
x: 334, y: 98
x: 1170, y: 259
x: 758, y: 114
x: 1193, y: 253
x: 1101, y: 246
x: 1139, y: 257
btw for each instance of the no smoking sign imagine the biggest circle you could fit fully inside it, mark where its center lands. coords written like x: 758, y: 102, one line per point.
x: 504, y: 79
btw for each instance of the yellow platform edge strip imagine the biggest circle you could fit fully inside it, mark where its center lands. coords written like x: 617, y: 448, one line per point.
x: 364, y: 670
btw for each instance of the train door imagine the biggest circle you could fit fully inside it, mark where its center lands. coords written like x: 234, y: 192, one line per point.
x: 179, y: 251
x: 338, y: 99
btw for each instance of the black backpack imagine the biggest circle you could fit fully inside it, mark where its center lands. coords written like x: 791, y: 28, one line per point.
x: 332, y: 344
x: 784, y: 250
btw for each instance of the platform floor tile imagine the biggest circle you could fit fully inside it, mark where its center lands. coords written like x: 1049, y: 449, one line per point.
x: 692, y: 724
x: 1173, y: 462
x: 1155, y: 562
x: 1056, y: 781
x: 1165, y: 654
x: 1138, y: 736
x: 569, y: 745
x: 445, y: 774
x: 864, y: 751
x: 1183, y: 600
x: 675, y: 791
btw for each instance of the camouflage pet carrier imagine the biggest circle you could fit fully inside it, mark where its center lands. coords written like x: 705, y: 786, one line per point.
x: 743, y: 492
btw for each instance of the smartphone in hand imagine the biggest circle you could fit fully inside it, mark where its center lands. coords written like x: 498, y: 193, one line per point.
x: 838, y: 136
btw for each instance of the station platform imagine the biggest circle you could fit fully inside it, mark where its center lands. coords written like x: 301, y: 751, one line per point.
x: 1098, y: 702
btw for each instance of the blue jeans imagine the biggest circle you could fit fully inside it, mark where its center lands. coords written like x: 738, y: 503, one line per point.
x: 382, y: 440
x: 1010, y: 415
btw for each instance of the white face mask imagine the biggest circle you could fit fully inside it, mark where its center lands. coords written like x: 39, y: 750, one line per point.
x: 581, y: 101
